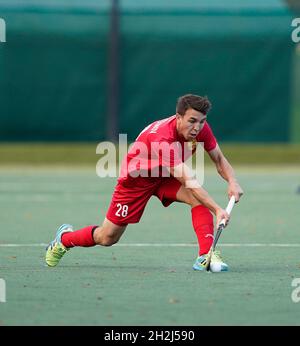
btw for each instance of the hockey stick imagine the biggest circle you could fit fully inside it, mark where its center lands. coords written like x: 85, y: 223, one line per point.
x: 219, y: 231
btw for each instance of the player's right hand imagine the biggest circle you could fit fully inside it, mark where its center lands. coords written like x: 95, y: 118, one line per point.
x: 221, y: 214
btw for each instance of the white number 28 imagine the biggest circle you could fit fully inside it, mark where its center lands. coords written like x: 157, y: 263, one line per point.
x: 122, y: 210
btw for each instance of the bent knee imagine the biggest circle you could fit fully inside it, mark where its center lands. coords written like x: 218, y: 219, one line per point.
x: 107, y: 241
x: 108, y: 234
x: 191, y: 200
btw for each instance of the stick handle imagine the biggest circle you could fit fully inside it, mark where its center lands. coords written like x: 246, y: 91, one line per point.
x: 219, y: 231
x: 228, y: 209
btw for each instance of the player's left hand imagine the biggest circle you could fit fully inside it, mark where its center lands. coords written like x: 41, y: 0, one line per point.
x: 235, y: 190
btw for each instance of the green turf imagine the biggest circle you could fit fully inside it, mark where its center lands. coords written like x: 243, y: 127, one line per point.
x: 127, y: 285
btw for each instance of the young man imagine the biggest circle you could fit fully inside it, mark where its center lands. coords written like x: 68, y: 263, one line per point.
x: 144, y: 174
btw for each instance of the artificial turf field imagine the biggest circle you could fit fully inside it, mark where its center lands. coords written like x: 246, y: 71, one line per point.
x: 147, y: 279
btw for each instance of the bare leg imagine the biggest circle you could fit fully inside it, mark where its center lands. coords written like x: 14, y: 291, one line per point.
x: 108, y: 234
x: 185, y: 195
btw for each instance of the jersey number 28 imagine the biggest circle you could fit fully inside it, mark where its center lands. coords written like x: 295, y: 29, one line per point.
x: 122, y: 210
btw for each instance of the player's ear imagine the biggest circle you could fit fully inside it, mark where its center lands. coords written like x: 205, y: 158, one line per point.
x: 178, y: 116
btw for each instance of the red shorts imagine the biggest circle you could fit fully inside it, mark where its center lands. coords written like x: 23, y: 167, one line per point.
x: 130, y: 197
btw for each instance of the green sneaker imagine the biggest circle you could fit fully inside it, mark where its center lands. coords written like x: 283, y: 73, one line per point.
x: 56, y: 250
x: 217, y: 264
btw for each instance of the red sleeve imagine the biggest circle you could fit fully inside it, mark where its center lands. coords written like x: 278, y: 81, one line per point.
x: 207, y: 137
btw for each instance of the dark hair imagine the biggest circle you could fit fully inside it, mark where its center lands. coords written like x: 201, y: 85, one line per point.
x: 199, y: 103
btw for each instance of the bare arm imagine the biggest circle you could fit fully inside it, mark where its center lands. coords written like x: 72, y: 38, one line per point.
x: 185, y: 175
x: 226, y: 172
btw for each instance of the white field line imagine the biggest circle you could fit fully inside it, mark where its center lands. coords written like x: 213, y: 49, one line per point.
x: 169, y: 245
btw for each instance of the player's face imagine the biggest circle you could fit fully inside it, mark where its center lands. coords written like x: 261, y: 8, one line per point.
x: 190, y: 124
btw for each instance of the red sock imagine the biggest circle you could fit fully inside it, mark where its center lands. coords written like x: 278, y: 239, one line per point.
x: 82, y: 237
x: 203, y: 223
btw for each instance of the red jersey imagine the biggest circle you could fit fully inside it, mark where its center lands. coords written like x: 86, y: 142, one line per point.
x: 159, y: 146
